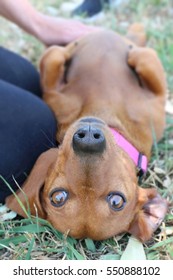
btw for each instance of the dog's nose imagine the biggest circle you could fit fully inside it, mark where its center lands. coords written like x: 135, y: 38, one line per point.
x: 89, y: 139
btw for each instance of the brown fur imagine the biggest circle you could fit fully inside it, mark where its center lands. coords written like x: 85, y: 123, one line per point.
x: 108, y: 77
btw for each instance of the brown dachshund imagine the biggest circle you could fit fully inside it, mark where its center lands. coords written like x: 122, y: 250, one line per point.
x: 108, y: 96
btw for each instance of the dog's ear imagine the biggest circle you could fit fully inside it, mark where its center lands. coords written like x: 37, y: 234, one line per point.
x: 150, y: 212
x: 28, y: 198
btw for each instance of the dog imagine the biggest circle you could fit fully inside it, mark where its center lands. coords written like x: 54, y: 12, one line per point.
x: 108, y: 95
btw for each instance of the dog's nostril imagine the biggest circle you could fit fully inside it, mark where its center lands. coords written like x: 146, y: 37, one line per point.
x: 81, y: 135
x: 97, y: 135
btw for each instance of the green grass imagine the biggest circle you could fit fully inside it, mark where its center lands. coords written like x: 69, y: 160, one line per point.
x: 34, y: 238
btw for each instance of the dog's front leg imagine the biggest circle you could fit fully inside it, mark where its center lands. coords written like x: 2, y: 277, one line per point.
x: 52, y: 70
x: 52, y: 66
x: 149, y: 68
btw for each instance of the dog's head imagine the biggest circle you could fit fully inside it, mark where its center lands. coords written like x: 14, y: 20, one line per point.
x: 88, y: 187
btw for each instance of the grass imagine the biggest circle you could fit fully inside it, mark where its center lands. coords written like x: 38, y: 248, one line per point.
x: 34, y: 238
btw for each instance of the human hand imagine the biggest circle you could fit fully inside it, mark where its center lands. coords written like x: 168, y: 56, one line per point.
x: 49, y: 30
x: 60, y: 31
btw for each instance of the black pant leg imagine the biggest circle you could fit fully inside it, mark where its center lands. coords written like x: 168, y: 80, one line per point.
x: 19, y: 71
x: 27, y: 128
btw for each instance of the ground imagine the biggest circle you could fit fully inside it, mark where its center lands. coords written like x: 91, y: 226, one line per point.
x: 27, y: 239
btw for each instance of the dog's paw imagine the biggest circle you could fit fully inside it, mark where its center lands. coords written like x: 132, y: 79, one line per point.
x: 141, y: 58
x: 6, y: 213
x: 147, y: 65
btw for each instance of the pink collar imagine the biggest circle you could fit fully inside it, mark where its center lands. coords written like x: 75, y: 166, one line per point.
x: 138, y: 158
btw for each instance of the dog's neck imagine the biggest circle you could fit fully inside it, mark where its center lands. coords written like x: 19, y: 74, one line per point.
x: 138, y: 158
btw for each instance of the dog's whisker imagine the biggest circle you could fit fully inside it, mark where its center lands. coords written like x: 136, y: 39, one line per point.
x: 52, y: 144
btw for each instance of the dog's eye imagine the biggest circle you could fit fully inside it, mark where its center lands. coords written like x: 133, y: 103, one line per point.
x: 116, y: 201
x: 58, y: 197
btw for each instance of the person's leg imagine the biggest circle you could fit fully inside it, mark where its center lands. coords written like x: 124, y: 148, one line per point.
x: 19, y: 71
x: 90, y: 8
x: 27, y: 128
